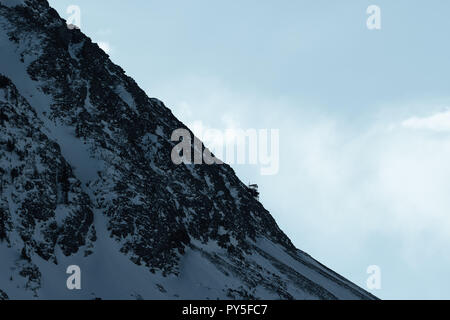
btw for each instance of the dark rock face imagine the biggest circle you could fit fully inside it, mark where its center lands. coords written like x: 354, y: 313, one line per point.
x: 37, y: 181
x: 154, y: 209
x: 3, y: 295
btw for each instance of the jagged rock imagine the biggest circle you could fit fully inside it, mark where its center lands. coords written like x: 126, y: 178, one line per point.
x: 3, y: 295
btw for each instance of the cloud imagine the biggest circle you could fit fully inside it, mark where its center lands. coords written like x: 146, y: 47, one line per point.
x: 350, y: 195
x: 438, y: 122
x: 105, y: 46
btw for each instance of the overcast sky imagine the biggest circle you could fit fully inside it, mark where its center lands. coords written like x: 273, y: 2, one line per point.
x: 363, y: 115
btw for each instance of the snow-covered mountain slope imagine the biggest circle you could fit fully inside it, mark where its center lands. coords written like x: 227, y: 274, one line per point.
x: 86, y: 179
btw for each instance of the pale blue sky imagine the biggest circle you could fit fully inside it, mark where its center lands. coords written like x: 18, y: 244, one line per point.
x: 363, y: 115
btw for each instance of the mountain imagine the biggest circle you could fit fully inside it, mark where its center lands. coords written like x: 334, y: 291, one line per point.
x: 86, y: 179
